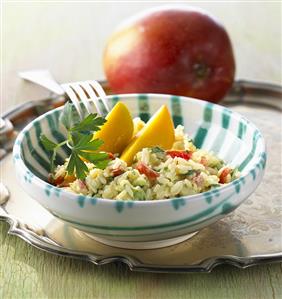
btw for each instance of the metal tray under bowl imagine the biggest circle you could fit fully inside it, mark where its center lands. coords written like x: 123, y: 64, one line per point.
x: 248, y: 236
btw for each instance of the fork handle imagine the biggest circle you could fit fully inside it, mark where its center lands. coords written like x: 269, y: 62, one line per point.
x: 44, y: 79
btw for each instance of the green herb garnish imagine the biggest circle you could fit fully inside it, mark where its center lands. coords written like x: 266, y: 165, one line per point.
x: 79, y: 140
x: 234, y: 173
x: 157, y: 150
x: 191, y: 172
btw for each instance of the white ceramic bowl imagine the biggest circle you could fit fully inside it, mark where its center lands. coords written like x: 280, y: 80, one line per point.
x: 141, y: 224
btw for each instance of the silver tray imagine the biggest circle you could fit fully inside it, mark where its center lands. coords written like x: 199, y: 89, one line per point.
x: 250, y: 235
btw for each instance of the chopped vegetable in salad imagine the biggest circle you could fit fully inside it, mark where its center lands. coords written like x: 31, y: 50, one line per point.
x: 123, y: 159
x: 154, y: 174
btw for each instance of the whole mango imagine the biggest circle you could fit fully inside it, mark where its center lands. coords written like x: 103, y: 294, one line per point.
x: 171, y: 50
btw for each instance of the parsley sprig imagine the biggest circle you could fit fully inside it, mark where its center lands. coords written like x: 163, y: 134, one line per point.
x: 80, y: 141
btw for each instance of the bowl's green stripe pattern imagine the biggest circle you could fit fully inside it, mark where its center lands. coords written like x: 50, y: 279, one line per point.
x: 81, y: 200
x: 59, y: 137
x: 210, y: 195
x: 178, y: 202
x: 224, y: 210
x: 114, y: 100
x: 238, y: 183
x: 38, y: 131
x: 204, y: 128
x: 44, y: 163
x: 219, y: 140
x: 226, y: 118
x: 176, y: 111
x: 119, y: 235
x: 144, y: 107
x: 242, y: 128
x: 103, y: 108
x: 32, y: 168
x: 191, y: 219
x: 250, y: 156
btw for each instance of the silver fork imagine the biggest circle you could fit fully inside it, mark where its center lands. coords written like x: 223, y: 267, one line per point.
x: 85, y: 91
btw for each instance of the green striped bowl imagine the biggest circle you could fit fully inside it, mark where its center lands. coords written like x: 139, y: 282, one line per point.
x: 213, y: 127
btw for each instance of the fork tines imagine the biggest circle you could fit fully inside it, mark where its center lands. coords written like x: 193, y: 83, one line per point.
x: 86, y: 92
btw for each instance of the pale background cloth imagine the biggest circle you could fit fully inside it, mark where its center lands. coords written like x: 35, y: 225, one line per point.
x: 69, y: 38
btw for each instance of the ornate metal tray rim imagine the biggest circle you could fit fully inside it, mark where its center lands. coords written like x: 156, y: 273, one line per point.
x: 205, y: 266
x: 44, y: 243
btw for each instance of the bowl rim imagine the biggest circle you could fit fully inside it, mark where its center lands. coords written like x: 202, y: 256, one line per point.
x: 73, y: 196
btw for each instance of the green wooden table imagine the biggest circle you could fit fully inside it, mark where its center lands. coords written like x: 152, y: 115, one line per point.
x: 29, y: 273
x: 68, y: 39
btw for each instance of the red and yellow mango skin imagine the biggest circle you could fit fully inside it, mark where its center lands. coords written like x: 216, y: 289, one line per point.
x: 173, y: 51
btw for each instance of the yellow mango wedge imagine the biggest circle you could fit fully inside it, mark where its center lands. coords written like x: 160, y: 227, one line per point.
x: 117, y: 130
x: 159, y: 131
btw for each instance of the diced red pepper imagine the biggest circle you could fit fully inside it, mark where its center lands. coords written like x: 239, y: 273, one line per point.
x: 223, y: 175
x: 58, y: 181
x: 111, y: 156
x: 117, y: 171
x: 180, y: 154
x: 149, y: 173
x: 62, y: 181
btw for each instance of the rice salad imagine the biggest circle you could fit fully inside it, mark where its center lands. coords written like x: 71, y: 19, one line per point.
x: 155, y: 173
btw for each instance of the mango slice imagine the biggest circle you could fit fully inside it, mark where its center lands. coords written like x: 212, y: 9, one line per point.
x: 117, y: 131
x: 159, y: 131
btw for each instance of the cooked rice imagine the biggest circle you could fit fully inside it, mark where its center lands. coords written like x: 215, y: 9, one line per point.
x: 176, y: 176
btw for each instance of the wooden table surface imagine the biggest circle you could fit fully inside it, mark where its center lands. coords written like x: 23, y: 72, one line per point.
x: 68, y: 39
